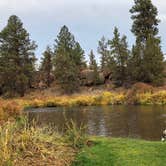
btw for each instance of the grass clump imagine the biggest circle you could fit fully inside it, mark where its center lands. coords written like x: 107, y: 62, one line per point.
x: 76, y: 135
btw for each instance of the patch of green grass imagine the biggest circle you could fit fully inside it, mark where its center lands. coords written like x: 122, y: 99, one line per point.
x: 122, y: 152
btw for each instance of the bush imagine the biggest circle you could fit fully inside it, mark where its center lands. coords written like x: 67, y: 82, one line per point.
x: 138, y: 88
x: 9, y: 109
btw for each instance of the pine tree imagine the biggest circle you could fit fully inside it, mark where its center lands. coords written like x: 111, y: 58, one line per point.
x: 120, y: 53
x: 104, y: 52
x: 68, y: 61
x: 136, y: 72
x: 144, y: 15
x: 16, y: 58
x: 153, y: 62
x: 93, y: 66
x: 92, y: 60
x: 145, y: 21
x: 46, y: 66
x: 78, y: 53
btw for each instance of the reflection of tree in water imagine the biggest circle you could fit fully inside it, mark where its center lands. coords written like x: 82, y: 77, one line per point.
x: 96, y: 121
x: 120, y: 121
x: 151, y: 122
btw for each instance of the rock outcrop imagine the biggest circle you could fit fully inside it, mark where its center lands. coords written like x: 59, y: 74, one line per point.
x: 88, y: 78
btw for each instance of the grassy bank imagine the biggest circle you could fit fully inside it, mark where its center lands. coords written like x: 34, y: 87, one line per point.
x: 21, y: 144
x: 14, y: 107
x: 24, y: 145
x: 122, y: 152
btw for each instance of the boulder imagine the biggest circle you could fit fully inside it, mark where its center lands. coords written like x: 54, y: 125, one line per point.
x: 88, y: 78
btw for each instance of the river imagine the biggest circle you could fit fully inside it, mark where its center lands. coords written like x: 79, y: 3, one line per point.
x: 142, y: 122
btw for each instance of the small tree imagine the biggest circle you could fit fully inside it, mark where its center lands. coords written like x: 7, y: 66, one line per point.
x: 153, y: 62
x: 93, y: 66
x: 104, y: 52
x: 46, y: 65
x: 79, y: 56
x: 135, y: 63
x: 120, y: 53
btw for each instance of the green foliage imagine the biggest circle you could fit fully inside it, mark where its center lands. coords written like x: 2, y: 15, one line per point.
x: 75, y: 135
x: 79, y: 56
x: 146, y: 62
x: 107, y: 62
x: 68, y: 61
x: 135, y: 63
x: 93, y: 66
x: 145, y: 21
x: 46, y: 66
x: 16, y: 58
x: 122, y: 152
x: 153, y: 62
x: 120, y: 53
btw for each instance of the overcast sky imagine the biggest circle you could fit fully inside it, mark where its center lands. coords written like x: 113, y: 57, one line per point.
x: 88, y: 20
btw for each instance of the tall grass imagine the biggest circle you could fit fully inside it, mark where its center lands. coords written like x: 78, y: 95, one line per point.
x: 76, y: 135
x: 22, y: 144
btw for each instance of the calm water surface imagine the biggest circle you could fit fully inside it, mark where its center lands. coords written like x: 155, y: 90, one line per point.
x: 144, y: 122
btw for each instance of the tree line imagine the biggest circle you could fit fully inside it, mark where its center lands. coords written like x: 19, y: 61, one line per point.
x: 65, y: 61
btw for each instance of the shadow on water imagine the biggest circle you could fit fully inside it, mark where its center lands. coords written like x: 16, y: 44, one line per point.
x: 144, y: 122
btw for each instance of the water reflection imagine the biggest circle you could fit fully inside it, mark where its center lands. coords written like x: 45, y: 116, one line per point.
x: 144, y: 122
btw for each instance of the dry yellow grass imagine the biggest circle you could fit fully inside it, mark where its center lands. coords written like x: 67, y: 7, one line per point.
x: 13, y: 107
x: 24, y: 145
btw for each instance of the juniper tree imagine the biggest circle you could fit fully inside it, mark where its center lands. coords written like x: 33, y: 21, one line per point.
x: 46, y: 65
x: 68, y: 61
x: 120, y: 53
x: 16, y: 57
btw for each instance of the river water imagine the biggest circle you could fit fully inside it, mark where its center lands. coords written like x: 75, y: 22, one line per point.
x: 142, y: 122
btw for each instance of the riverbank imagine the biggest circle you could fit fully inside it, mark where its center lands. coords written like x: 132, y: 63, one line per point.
x: 13, y: 107
x: 122, y: 152
x: 22, y: 144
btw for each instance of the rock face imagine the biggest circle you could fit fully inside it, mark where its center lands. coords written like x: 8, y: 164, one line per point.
x: 88, y: 78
